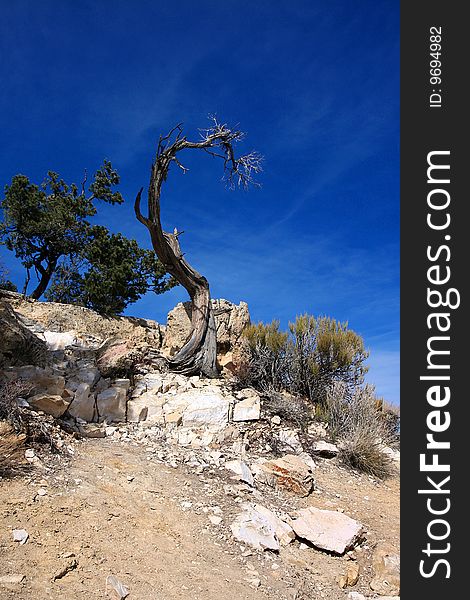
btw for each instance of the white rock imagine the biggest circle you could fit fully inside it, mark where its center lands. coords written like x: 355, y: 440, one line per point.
x: 284, y: 532
x: 83, y: 403
x: 111, y: 404
x: 120, y: 589
x: 242, y: 470
x: 276, y: 420
x: 205, y: 407
x: 290, y: 438
x: 324, y: 449
x: 327, y: 529
x: 247, y: 409
x: 215, y: 520
x: 356, y: 596
x: 253, y: 529
x: 20, y: 535
x: 136, y: 411
x: 56, y: 340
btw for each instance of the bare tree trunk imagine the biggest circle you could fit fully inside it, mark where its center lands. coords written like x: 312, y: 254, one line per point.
x: 46, y: 274
x: 198, y: 355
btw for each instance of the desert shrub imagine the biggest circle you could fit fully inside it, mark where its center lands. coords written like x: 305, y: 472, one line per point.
x: 292, y: 410
x: 324, y: 351
x: 9, y: 393
x: 359, y: 426
x: 306, y: 360
x: 264, y: 366
x: 33, y: 426
x: 11, y: 450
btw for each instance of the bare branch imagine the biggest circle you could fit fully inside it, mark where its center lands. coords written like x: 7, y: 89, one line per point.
x: 138, y: 214
x: 85, y: 177
x: 182, y: 167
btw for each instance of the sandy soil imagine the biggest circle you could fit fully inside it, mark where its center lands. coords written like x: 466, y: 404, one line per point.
x: 113, y: 509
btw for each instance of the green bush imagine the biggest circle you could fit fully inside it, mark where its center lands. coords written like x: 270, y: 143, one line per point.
x: 306, y: 360
x: 265, y: 364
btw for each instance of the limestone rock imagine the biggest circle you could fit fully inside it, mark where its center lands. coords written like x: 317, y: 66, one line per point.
x: 241, y: 469
x: 327, y: 529
x: 83, y: 403
x: 230, y: 320
x: 118, y: 357
x: 56, y: 340
x: 40, y: 380
x: 254, y: 529
x: 290, y: 438
x: 289, y: 472
x: 111, y: 404
x: 284, y: 532
x: 205, y: 407
x: 386, y: 565
x: 89, y: 374
x: 12, y: 579
x: 49, y: 403
x: 356, y: 596
x: 87, y: 324
x: 136, y: 411
x: 247, y: 409
x: 324, y: 449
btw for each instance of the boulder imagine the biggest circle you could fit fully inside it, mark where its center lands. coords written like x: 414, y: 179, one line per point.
x: 40, y: 380
x: 118, y: 357
x: 87, y: 324
x: 386, y: 565
x: 111, y: 404
x: 49, y: 403
x: 83, y: 403
x: 204, y: 407
x: 291, y: 439
x: 230, y: 320
x: 327, y: 529
x: 136, y: 412
x: 289, y: 472
x: 247, y: 409
x: 89, y: 375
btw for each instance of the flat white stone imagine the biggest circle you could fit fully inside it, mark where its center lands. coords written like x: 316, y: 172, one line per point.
x: 327, y: 529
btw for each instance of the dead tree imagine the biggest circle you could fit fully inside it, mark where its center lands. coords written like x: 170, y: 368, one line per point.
x: 198, y: 355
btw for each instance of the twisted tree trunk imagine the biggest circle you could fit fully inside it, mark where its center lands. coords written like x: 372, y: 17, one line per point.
x: 198, y: 355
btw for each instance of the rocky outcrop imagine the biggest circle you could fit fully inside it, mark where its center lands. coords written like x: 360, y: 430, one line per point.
x: 87, y: 325
x: 18, y: 345
x: 230, y: 321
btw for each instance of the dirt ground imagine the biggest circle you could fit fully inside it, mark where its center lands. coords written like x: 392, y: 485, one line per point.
x: 113, y: 509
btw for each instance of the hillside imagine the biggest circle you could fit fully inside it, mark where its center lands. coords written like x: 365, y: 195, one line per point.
x: 165, y: 486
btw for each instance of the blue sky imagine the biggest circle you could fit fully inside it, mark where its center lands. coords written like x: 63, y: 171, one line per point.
x: 314, y: 84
